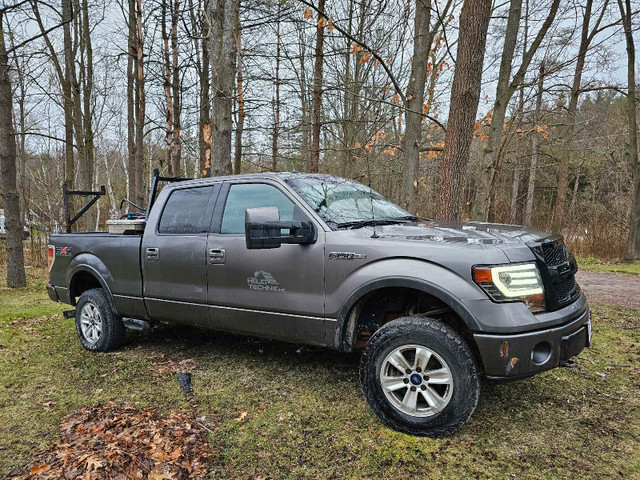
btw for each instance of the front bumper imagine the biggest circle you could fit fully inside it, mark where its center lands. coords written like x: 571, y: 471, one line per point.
x: 506, y: 357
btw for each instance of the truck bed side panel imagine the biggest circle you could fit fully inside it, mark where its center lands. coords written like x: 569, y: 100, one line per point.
x: 116, y: 258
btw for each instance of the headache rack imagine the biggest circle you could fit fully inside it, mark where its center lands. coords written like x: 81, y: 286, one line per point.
x: 132, y: 222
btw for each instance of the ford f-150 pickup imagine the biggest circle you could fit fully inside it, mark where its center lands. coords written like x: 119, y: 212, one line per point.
x: 321, y: 260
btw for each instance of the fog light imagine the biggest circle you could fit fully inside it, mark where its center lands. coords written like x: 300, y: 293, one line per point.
x: 541, y: 353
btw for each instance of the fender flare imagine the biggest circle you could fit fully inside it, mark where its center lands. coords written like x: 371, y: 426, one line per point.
x: 341, y: 335
x: 84, y: 267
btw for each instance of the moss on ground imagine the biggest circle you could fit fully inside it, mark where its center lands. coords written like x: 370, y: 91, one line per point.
x: 281, y: 411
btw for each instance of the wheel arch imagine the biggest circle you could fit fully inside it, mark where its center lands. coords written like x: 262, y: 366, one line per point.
x: 85, y: 276
x: 347, y: 321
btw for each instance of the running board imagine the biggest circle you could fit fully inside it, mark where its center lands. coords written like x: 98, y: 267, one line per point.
x: 135, y: 324
x: 69, y: 314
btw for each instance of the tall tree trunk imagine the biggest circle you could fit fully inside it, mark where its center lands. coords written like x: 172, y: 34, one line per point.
x: 201, y: 45
x: 87, y: 163
x: 515, y: 188
x: 502, y: 100
x: 141, y: 107
x: 415, y: 98
x: 205, y: 105
x: 169, y: 111
x: 314, y: 161
x: 9, y: 193
x: 347, y: 121
x: 563, y: 170
x: 69, y: 164
x: 175, y: 88
x: 531, y: 186
x: 276, y: 100
x: 222, y: 17
x: 633, y: 243
x: 237, y: 158
x: 505, y: 89
x: 574, y: 195
x: 131, y: 102
x: 463, y: 107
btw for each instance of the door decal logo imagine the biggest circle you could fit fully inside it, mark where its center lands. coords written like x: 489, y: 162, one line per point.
x: 264, y: 281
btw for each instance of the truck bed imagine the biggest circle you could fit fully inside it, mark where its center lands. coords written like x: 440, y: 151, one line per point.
x: 115, y: 256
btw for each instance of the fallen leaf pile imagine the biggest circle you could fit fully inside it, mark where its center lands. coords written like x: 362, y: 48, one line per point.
x: 112, y: 442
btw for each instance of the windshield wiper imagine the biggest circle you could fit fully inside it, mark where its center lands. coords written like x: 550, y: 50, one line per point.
x: 370, y: 223
x: 412, y: 217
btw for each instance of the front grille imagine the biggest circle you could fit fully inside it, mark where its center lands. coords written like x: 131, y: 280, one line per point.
x: 566, y: 290
x: 555, y: 254
x: 555, y: 264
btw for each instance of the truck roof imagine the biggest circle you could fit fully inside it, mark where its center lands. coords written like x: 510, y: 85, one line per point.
x: 265, y: 175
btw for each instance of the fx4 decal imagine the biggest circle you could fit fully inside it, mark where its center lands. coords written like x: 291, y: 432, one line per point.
x: 264, y: 281
x: 63, y: 251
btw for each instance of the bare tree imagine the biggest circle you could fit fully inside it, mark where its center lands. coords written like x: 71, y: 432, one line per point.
x: 414, y: 100
x: 633, y: 244
x: 465, y: 95
x: 586, y: 37
x: 237, y: 154
x: 533, y: 167
x: 172, y: 84
x: 506, y: 88
x: 222, y: 17
x: 9, y: 192
x: 276, y: 98
x: 140, y: 102
x: 317, y: 91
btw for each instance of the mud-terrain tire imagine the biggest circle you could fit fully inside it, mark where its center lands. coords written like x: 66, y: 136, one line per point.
x: 454, y: 377
x: 98, y: 327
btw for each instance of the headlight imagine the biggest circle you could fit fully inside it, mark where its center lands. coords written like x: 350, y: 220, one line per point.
x: 512, y: 283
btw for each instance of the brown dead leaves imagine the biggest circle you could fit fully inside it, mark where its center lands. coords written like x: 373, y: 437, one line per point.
x: 112, y: 442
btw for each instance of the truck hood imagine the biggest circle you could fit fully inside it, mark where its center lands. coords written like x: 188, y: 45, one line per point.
x: 478, y: 233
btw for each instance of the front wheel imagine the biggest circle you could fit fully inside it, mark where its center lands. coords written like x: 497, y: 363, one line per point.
x: 419, y: 377
x: 98, y: 327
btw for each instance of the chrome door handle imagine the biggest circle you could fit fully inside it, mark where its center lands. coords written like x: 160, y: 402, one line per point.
x: 216, y: 255
x: 153, y: 254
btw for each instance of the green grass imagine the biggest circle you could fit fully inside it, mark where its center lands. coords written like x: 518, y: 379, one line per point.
x: 305, y: 414
x: 592, y: 264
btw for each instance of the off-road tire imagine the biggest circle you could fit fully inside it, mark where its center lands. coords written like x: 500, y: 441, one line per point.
x: 112, y: 335
x: 446, y: 343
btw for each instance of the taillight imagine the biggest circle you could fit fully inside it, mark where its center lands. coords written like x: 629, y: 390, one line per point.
x: 51, y: 255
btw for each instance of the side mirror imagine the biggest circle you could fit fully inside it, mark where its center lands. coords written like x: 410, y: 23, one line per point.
x: 263, y: 229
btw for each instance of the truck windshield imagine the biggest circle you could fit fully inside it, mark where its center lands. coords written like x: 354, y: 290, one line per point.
x: 343, y: 202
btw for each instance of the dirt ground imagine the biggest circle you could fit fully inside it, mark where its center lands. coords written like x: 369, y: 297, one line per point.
x: 611, y: 289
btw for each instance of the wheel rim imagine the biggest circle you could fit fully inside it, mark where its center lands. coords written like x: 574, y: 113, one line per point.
x: 90, y: 323
x: 416, y: 380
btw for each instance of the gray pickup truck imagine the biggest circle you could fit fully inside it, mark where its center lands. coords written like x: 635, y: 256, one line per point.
x: 321, y: 260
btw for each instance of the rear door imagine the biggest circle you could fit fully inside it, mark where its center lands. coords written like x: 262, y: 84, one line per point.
x: 174, y: 256
x: 269, y: 292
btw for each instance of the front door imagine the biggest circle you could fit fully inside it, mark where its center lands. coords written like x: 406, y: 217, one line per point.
x: 174, y: 256
x: 276, y: 292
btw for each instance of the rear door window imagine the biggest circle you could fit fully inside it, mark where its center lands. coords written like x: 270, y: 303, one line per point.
x: 184, y: 212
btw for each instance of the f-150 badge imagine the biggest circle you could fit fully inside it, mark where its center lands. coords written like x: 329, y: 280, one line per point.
x: 347, y: 256
x: 264, y: 281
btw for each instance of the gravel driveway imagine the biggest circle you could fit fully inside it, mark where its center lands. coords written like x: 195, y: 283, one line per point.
x: 615, y: 289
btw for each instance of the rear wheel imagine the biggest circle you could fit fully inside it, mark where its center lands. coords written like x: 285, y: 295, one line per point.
x: 98, y: 327
x: 419, y: 376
